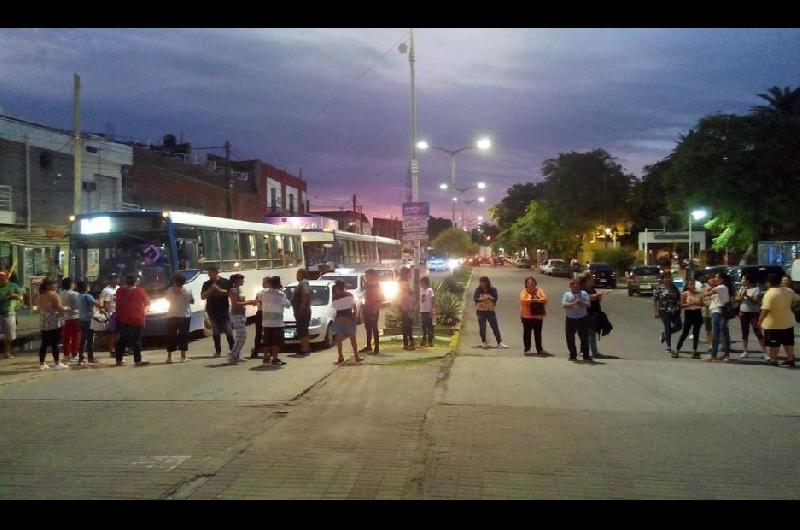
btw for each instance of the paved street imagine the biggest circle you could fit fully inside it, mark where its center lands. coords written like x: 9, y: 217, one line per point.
x: 478, y: 424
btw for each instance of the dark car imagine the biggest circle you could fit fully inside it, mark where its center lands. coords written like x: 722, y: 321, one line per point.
x: 702, y: 275
x: 604, y: 274
x: 499, y: 260
x: 524, y: 263
x: 759, y: 272
x: 643, y: 279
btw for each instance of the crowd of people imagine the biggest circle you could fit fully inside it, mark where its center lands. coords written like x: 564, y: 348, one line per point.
x: 769, y: 314
x: 70, y: 317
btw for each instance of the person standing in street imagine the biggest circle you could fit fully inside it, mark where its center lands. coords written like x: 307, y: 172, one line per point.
x: 749, y: 298
x: 132, y: 302
x: 777, y: 320
x: 405, y: 304
x: 667, y: 306
x: 719, y: 295
x: 238, y: 317
x: 71, y: 339
x: 108, y: 303
x: 345, y: 323
x: 595, y: 312
x: 301, y: 306
x: 373, y: 298
x: 485, y: 298
x: 427, y: 310
x: 532, y: 302
x: 692, y: 304
x: 179, y: 317
x: 51, y: 323
x: 10, y: 294
x: 215, y: 293
x: 87, y: 305
x: 259, y: 317
x: 273, y: 302
x: 576, y: 303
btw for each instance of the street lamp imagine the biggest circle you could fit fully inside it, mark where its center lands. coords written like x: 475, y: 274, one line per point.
x: 696, y: 215
x: 481, y: 144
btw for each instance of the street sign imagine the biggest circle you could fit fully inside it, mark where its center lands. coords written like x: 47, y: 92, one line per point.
x: 415, y: 221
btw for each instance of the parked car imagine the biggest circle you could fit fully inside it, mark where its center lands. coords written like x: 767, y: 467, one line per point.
x: 604, y: 274
x: 561, y: 269
x: 354, y: 283
x: 523, y: 263
x: 547, y: 267
x: 322, y: 314
x: 499, y: 260
x: 759, y: 271
x: 702, y: 275
x: 643, y: 279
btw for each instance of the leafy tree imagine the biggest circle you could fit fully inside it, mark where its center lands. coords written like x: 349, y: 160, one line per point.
x: 454, y: 242
x: 514, y: 203
x: 585, y: 189
x: 786, y: 102
x: 538, y: 227
x: 437, y: 225
x: 648, y: 198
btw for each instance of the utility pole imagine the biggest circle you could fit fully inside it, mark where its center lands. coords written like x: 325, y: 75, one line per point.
x: 76, y: 146
x: 28, y: 182
x: 229, y: 194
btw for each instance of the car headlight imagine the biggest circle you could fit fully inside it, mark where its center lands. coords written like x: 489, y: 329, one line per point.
x: 389, y: 290
x: 159, y: 306
x: 316, y: 321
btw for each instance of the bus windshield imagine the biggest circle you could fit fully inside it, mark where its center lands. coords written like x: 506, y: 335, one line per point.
x: 144, y: 254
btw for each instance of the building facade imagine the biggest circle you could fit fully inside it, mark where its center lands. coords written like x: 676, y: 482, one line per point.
x: 392, y: 228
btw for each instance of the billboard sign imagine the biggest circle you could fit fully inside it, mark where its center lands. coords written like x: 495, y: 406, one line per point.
x: 415, y: 221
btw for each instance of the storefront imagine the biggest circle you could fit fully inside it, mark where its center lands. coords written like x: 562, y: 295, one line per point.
x: 28, y: 256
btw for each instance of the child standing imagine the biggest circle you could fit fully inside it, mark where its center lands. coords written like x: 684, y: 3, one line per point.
x: 238, y: 317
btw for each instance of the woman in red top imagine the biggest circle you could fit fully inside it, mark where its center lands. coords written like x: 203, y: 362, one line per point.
x: 132, y: 303
x: 532, y: 301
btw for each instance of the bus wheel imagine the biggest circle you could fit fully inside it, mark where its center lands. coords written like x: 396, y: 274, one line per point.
x: 328, y: 342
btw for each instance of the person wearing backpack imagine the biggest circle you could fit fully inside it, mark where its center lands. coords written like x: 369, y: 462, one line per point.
x: 719, y: 295
x: 87, y: 306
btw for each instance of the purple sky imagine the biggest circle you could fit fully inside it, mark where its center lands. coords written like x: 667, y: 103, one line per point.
x: 293, y: 97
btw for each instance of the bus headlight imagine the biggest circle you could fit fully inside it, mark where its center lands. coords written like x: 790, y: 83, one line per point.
x: 159, y: 306
x: 389, y: 290
x: 316, y: 321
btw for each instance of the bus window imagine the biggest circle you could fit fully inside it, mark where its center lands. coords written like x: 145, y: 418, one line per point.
x: 208, y: 248
x: 186, y: 241
x: 263, y: 252
x: 288, y: 247
x: 247, y: 247
x: 278, y: 252
x: 297, y: 246
x: 230, y: 250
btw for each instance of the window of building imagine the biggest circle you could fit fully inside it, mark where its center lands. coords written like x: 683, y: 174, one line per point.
x: 273, y: 198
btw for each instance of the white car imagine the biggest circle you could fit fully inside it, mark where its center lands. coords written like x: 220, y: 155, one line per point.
x: 354, y: 283
x: 549, y: 265
x: 390, y: 283
x: 322, y: 314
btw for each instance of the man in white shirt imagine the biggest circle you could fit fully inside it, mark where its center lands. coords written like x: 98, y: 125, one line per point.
x: 426, y: 310
x: 717, y: 292
x: 108, y: 303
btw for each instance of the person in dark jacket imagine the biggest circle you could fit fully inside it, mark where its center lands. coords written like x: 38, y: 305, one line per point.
x: 485, y: 298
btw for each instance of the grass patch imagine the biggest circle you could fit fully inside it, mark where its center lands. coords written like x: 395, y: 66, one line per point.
x: 438, y: 342
x: 415, y: 362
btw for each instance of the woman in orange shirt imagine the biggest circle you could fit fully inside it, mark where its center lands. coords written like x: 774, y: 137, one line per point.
x: 532, y: 302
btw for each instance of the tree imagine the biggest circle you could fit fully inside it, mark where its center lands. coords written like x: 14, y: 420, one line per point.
x: 513, y: 205
x: 454, y: 242
x: 648, y: 198
x: 786, y: 102
x: 437, y: 225
x: 537, y: 228
x: 586, y: 189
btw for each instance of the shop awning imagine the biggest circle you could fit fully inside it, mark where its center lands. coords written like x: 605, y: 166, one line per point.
x: 39, y: 236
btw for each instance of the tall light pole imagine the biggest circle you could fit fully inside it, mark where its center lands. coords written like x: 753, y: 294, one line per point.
x: 479, y: 185
x: 481, y: 144
x: 408, y: 47
x: 696, y: 215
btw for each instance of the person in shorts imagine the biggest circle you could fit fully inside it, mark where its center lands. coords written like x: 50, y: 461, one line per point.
x: 273, y: 302
x: 777, y: 321
x: 10, y: 294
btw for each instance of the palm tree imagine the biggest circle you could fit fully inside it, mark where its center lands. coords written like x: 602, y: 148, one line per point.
x: 781, y: 101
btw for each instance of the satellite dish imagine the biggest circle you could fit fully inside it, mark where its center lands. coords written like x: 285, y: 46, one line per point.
x: 403, y: 47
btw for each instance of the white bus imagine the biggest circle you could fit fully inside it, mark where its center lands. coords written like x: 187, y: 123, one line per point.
x: 156, y: 245
x: 328, y: 250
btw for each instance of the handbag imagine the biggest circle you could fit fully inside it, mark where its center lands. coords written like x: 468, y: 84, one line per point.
x: 537, y: 308
x: 675, y: 322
